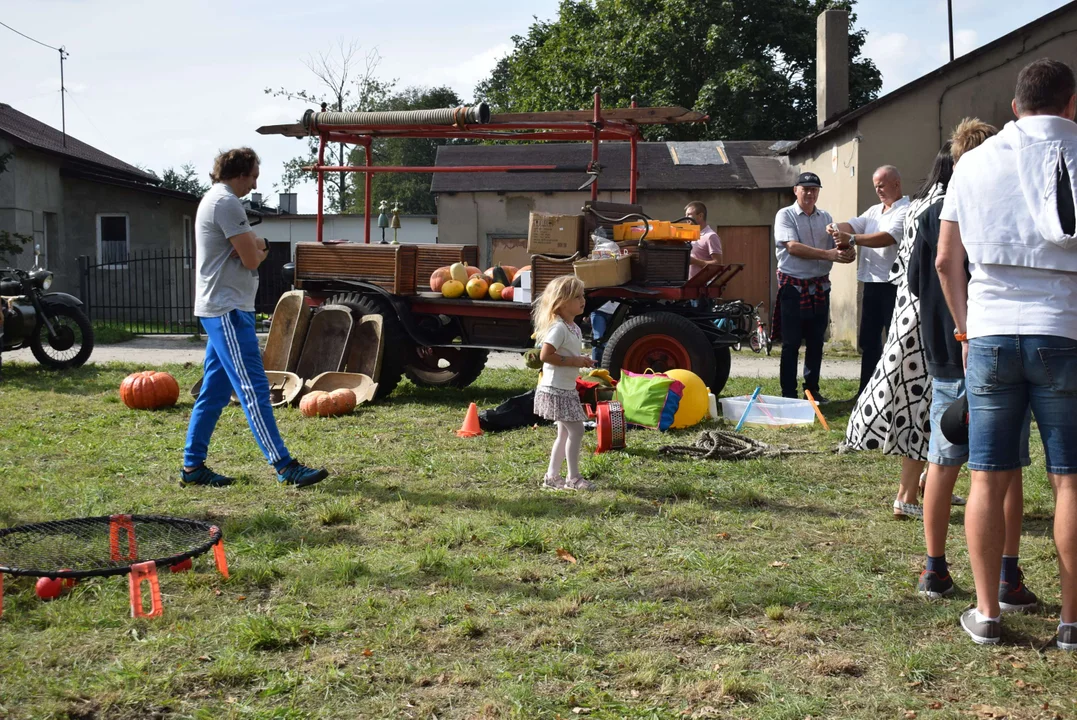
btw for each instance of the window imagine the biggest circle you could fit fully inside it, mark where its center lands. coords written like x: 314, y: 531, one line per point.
x: 113, y: 240
x: 188, y: 241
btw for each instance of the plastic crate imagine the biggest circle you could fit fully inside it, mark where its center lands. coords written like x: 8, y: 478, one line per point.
x: 769, y: 410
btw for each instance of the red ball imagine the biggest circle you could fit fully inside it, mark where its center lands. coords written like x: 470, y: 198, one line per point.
x: 183, y: 566
x: 67, y: 583
x: 48, y: 588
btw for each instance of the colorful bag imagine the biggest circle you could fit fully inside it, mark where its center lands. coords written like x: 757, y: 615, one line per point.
x: 649, y: 399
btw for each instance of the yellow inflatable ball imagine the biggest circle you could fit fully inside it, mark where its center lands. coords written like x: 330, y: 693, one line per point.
x: 694, y: 402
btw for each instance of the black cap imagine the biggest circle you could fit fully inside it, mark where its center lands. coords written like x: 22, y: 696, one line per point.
x: 809, y: 179
x: 955, y: 421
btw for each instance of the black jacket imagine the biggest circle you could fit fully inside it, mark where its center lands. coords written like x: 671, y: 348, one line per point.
x: 943, y: 352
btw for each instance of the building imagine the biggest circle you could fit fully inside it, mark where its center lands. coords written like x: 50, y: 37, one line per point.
x: 75, y: 200
x: 907, y: 127
x: 743, y: 184
x: 297, y: 228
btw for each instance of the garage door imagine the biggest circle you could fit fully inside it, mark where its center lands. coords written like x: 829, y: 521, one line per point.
x: 752, y: 246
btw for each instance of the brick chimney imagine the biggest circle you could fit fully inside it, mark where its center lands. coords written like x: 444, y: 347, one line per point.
x: 832, y: 65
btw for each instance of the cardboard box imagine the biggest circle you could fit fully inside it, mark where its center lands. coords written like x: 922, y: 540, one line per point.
x: 549, y: 234
x: 607, y: 272
x: 522, y: 295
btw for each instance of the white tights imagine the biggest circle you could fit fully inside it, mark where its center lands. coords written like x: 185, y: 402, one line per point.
x: 566, y: 447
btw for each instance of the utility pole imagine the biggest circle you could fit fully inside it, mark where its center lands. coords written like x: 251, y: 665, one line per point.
x: 950, y: 18
x: 63, y: 105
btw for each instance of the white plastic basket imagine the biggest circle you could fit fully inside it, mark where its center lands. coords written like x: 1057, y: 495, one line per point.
x: 769, y: 410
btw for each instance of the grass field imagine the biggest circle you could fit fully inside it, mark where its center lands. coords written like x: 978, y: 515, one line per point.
x: 424, y: 580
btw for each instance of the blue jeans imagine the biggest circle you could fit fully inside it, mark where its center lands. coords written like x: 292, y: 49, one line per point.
x: 599, y: 322
x: 940, y: 451
x: 1007, y: 375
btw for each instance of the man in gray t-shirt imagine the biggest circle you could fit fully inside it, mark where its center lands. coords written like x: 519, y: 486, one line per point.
x: 228, y: 255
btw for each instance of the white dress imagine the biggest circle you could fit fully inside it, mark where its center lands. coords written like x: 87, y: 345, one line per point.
x: 893, y: 412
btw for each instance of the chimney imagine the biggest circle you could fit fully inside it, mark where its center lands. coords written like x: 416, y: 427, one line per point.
x: 287, y: 203
x: 256, y: 198
x: 832, y: 65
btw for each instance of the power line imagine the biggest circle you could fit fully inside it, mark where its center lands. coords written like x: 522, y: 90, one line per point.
x: 50, y: 47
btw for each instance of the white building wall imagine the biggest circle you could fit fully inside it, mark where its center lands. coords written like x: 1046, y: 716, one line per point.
x: 303, y: 228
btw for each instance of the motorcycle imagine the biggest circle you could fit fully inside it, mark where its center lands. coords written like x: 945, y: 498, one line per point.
x: 52, y: 324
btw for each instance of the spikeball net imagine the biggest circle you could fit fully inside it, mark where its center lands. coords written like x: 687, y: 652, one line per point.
x: 132, y: 545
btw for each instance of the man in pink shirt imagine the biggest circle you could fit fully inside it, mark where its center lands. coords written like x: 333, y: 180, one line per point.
x: 707, y: 251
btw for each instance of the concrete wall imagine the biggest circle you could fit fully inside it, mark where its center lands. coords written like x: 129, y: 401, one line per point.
x: 29, y: 188
x: 303, y: 228
x: 476, y: 218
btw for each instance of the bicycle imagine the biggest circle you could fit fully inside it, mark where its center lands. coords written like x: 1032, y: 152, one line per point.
x: 759, y: 338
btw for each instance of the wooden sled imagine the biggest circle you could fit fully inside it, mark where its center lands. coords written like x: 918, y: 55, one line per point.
x: 287, y: 331
x: 366, y: 349
x: 363, y: 387
x: 326, y: 346
x: 284, y: 388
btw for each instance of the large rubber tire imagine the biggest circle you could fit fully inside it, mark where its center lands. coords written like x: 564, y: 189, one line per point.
x: 396, y: 344
x: 660, y: 341
x: 74, y: 341
x: 463, y: 366
x: 723, y: 362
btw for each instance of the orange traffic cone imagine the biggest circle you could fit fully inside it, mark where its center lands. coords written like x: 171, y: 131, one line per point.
x: 470, y: 428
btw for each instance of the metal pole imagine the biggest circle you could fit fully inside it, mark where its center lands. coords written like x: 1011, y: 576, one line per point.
x: 950, y: 18
x: 321, y: 185
x: 633, y: 167
x: 367, y: 177
x: 597, y: 122
x: 63, y: 104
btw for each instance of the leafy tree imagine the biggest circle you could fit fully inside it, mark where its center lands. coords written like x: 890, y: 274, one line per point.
x: 10, y: 243
x: 748, y: 64
x: 185, y: 180
x: 344, y: 88
x: 411, y: 190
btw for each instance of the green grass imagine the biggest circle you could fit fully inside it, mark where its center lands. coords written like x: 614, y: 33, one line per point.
x: 423, y: 578
x: 105, y: 334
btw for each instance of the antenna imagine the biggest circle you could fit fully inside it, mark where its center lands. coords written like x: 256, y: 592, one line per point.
x: 63, y: 107
x: 950, y: 18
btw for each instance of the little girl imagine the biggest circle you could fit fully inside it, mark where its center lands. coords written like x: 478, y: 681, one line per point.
x: 556, y: 398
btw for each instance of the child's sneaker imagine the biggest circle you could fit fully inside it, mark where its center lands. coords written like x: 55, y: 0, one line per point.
x: 549, y: 483
x: 297, y: 474
x: 1016, y: 597
x: 1067, y: 637
x: 578, y: 484
x: 934, y: 586
x: 982, y: 632
x: 205, y: 477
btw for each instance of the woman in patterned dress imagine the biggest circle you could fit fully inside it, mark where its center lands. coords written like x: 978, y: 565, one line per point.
x: 892, y: 414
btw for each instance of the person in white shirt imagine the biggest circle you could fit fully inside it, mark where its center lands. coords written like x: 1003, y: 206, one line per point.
x: 1010, y: 211
x: 876, y: 233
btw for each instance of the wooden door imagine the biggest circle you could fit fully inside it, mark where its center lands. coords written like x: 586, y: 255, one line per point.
x: 752, y: 246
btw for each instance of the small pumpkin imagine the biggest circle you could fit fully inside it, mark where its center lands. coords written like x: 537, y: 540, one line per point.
x: 438, y: 278
x: 508, y: 292
x: 149, y: 390
x: 319, y: 403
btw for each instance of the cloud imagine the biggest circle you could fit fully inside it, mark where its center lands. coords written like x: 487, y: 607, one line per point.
x: 897, y: 56
x: 464, y: 76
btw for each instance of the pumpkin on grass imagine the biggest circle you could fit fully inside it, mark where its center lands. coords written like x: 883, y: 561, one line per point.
x: 319, y: 403
x: 149, y: 390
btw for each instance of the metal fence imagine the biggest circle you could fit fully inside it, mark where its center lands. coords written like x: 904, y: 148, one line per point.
x: 152, y: 292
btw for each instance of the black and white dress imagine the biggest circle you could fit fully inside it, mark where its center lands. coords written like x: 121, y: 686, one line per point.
x: 893, y: 412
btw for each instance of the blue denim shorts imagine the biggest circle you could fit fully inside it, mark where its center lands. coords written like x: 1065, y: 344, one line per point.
x: 1007, y: 375
x: 940, y: 451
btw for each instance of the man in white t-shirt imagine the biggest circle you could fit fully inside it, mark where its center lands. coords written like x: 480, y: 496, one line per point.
x: 876, y: 233
x: 1010, y: 210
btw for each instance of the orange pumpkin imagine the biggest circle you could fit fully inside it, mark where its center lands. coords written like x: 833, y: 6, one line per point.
x: 510, y: 271
x: 472, y: 270
x: 149, y: 390
x: 438, y: 278
x: 319, y: 403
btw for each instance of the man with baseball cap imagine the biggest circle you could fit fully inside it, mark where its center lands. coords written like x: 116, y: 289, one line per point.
x: 806, y: 252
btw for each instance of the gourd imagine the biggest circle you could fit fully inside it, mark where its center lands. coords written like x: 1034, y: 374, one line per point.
x: 149, y: 390
x: 319, y: 403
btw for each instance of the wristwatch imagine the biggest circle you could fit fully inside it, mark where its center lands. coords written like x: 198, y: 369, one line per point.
x: 852, y: 240
x: 960, y: 336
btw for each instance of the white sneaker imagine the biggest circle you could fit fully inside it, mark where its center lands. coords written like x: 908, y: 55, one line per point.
x: 903, y: 510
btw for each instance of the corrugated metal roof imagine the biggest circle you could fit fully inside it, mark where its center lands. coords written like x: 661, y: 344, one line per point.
x: 657, y: 169
x: 25, y: 130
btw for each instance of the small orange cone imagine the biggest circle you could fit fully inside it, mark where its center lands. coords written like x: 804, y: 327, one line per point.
x: 470, y: 428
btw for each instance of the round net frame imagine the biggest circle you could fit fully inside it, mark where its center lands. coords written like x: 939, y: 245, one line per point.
x: 102, y: 546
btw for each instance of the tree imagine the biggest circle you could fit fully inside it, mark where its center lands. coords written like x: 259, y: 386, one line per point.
x: 748, y: 64
x: 344, y: 89
x: 10, y: 243
x: 411, y: 190
x: 185, y: 180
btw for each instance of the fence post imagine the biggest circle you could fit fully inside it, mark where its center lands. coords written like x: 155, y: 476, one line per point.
x: 84, y: 283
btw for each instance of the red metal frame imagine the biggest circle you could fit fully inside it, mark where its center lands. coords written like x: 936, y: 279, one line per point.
x: 594, y: 132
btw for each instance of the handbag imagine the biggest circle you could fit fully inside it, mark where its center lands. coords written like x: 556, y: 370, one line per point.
x: 649, y: 399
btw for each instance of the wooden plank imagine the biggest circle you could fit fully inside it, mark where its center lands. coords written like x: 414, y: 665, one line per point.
x: 641, y: 116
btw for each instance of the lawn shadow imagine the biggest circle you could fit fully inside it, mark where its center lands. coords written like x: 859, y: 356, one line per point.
x: 86, y: 380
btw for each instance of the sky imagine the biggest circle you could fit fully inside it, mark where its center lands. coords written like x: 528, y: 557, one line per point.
x: 162, y: 83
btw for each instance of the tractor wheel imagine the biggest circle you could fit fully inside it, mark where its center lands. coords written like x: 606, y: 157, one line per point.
x: 445, y: 366
x: 723, y: 361
x: 661, y: 341
x: 397, y: 346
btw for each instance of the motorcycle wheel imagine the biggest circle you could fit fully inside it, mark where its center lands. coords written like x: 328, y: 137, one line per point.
x: 73, y: 342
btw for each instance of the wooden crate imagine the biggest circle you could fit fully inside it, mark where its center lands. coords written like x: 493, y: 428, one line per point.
x: 389, y: 266
x: 662, y: 263
x: 545, y: 269
x: 431, y: 257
